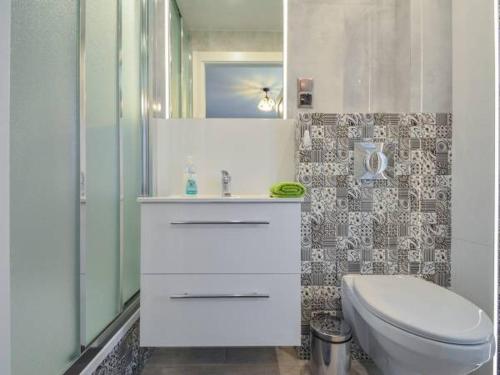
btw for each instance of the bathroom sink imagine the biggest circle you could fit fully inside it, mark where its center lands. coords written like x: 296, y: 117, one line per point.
x: 217, y: 198
x: 214, y: 196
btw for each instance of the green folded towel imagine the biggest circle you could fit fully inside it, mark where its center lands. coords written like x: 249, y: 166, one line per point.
x: 288, y: 190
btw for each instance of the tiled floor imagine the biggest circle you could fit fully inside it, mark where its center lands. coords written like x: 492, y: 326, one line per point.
x: 236, y: 361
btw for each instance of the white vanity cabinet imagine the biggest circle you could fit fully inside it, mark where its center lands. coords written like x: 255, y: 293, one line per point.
x: 220, y: 272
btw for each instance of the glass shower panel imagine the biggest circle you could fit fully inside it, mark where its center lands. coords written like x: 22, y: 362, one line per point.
x: 131, y: 144
x: 102, y: 226
x: 44, y: 186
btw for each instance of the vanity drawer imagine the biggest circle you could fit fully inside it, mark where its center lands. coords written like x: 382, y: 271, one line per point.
x: 220, y: 238
x: 220, y: 310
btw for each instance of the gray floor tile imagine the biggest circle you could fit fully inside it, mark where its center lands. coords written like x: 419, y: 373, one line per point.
x: 366, y: 368
x: 287, y: 356
x: 214, y: 370
x: 299, y: 369
x: 237, y: 361
x: 289, y: 363
x: 261, y: 356
x: 187, y: 356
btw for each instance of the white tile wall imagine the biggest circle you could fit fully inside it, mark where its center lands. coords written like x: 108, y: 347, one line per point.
x: 256, y: 152
x: 473, y: 177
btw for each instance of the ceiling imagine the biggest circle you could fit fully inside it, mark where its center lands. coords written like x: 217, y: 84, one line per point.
x: 234, y: 90
x: 232, y: 15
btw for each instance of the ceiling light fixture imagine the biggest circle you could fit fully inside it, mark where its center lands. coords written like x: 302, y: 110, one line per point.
x: 266, y: 104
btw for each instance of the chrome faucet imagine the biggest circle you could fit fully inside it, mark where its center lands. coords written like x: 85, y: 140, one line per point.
x: 226, y: 181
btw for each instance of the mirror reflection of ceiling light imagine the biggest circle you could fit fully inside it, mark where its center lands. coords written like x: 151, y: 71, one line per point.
x: 156, y: 107
x: 266, y: 104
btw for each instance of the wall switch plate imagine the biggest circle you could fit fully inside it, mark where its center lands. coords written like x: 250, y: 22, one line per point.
x: 305, y: 92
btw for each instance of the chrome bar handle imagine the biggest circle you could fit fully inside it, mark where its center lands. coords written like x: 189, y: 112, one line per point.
x: 218, y: 296
x: 223, y: 222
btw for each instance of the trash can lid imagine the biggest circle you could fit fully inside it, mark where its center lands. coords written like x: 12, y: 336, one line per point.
x: 331, y: 328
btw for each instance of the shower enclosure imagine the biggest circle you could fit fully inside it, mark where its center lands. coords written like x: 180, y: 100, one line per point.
x: 110, y: 149
x: 79, y: 161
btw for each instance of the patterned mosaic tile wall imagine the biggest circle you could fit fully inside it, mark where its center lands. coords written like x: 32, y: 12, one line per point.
x: 400, y: 225
x: 127, y: 357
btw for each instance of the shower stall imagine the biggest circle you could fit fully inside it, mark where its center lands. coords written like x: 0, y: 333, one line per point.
x: 79, y: 129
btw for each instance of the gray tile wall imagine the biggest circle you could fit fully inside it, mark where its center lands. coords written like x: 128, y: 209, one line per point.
x: 401, y: 225
x: 379, y: 55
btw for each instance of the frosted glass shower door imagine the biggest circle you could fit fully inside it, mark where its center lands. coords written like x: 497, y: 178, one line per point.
x: 101, y: 234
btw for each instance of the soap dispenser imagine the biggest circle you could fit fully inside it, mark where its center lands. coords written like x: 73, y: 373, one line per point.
x: 190, y: 178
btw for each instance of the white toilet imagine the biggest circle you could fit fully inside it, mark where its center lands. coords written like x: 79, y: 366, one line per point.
x: 410, y: 326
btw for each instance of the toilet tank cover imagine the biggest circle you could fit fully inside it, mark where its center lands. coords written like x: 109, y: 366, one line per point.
x: 423, y: 308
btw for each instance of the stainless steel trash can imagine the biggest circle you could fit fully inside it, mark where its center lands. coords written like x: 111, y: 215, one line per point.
x: 330, y: 346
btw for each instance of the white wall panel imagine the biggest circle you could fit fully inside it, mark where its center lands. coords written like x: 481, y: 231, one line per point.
x: 473, y: 186
x: 256, y: 152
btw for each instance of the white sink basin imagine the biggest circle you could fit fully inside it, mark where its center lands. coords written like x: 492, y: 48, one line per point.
x: 217, y: 198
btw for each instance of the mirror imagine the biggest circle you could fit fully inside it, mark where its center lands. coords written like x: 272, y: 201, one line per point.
x: 226, y: 59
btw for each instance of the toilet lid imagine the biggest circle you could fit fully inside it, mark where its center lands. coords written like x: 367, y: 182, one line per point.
x: 423, y: 308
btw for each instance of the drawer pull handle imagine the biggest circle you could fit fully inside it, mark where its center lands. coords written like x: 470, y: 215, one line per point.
x: 218, y: 296
x: 251, y: 222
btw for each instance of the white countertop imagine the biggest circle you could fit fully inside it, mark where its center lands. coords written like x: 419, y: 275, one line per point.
x: 218, y: 199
